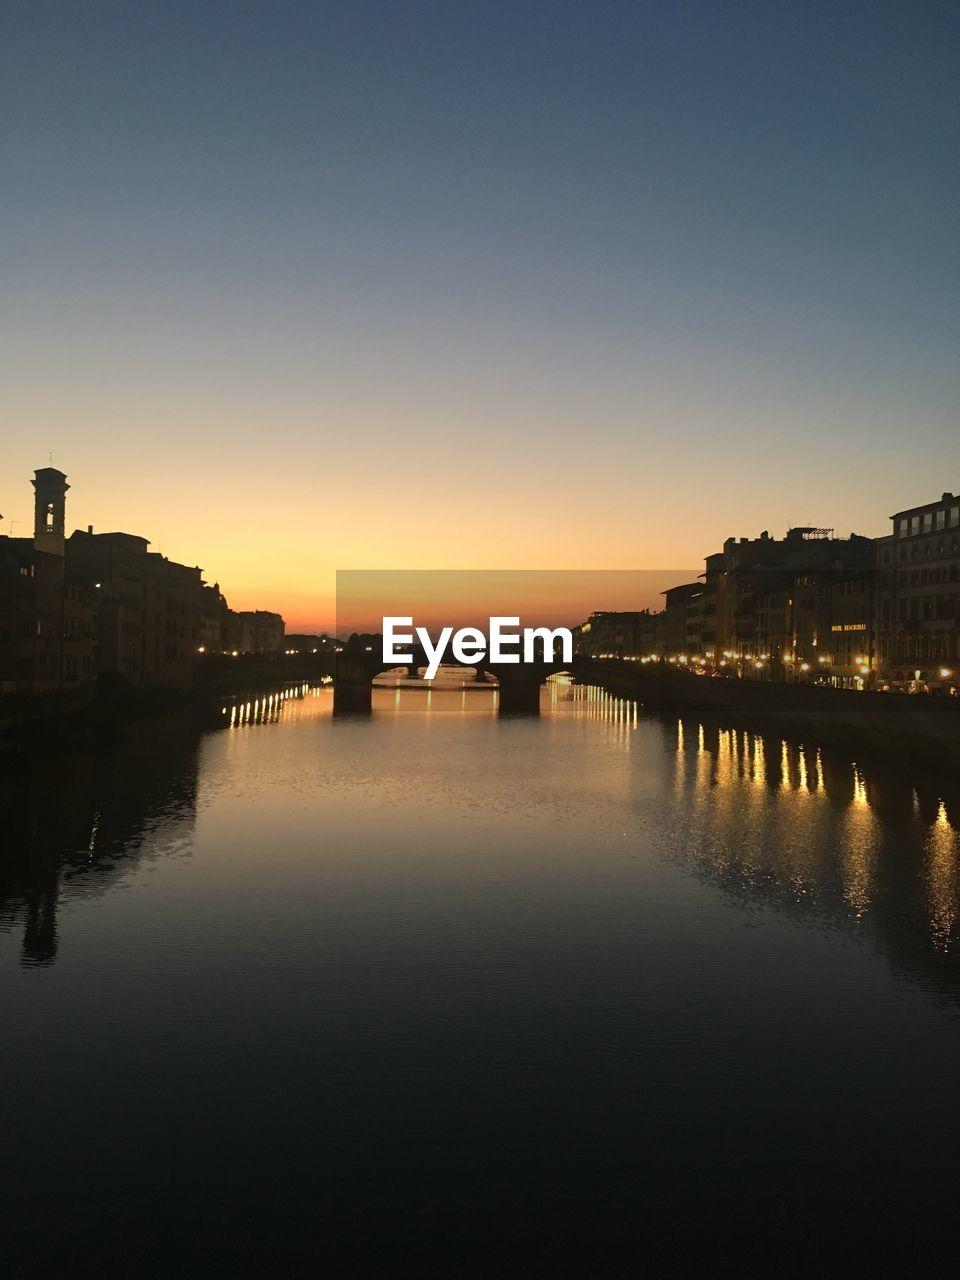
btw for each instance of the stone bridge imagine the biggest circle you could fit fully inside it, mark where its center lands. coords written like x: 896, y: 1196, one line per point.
x: 362, y: 660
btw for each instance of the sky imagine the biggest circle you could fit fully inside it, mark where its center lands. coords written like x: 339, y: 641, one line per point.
x: 438, y: 598
x: 296, y: 287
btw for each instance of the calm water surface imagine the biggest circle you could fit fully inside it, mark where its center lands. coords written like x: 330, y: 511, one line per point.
x: 439, y: 993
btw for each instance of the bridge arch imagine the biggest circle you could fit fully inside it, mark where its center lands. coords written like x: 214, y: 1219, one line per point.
x: 361, y: 660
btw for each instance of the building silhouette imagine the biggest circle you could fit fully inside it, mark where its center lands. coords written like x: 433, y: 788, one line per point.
x: 616, y: 634
x: 77, y: 609
x: 854, y: 613
x: 918, y: 616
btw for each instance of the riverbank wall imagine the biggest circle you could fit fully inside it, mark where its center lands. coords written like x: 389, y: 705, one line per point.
x: 900, y: 725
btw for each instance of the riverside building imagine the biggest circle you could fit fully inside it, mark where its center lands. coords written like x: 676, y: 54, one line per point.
x: 73, y: 609
x: 918, y: 599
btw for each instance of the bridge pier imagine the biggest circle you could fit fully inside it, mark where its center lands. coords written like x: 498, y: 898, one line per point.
x: 518, y: 694
x: 352, y: 685
x: 520, y: 686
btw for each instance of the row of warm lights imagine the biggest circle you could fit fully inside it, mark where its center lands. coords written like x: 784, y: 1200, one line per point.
x: 235, y: 653
x: 270, y: 702
x: 292, y: 653
x: 762, y: 658
x: 862, y: 663
x: 759, y: 661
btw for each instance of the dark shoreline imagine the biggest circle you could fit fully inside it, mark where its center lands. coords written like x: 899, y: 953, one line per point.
x: 104, y: 723
x: 101, y: 717
x: 902, y: 727
x: 910, y: 729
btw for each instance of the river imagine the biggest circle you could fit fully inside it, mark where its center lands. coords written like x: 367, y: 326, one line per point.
x: 437, y: 992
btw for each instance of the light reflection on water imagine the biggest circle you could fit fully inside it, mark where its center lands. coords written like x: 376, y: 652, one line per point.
x: 268, y: 708
x: 733, y: 789
x: 747, y: 806
x: 810, y: 824
x: 558, y: 971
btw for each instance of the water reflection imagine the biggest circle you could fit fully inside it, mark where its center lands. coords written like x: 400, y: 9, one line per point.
x: 475, y: 703
x: 431, y: 969
x: 74, y: 825
x: 943, y: 880
x: 859, y: 843
x: 271, y: 707
x: 619, y: 717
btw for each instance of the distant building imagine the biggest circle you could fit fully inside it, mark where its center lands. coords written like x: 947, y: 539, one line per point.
x: 148, y: 608
x: 49, y: 510
x: 18, y: 591
x: 46, y: 619
x: 774, y: 598
x: 214, y: 614
x: 682, y: 620
x: 156, y: 616
x: 711, y: 605
x: 254, y: 631
x: 79, y: 635
x: 612, y: 634
x: 918, y: 599
x: 102, y: 604
x: 830, y: 623
x: 172, y: 606
x: 302, y: 643
x: 112, y: 565
x: 50, y: 492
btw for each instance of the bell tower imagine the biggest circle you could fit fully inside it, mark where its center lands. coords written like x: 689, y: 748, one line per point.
x: 50, y: 510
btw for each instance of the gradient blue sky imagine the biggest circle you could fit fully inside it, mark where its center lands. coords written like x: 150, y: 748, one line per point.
x: 288, y: 287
